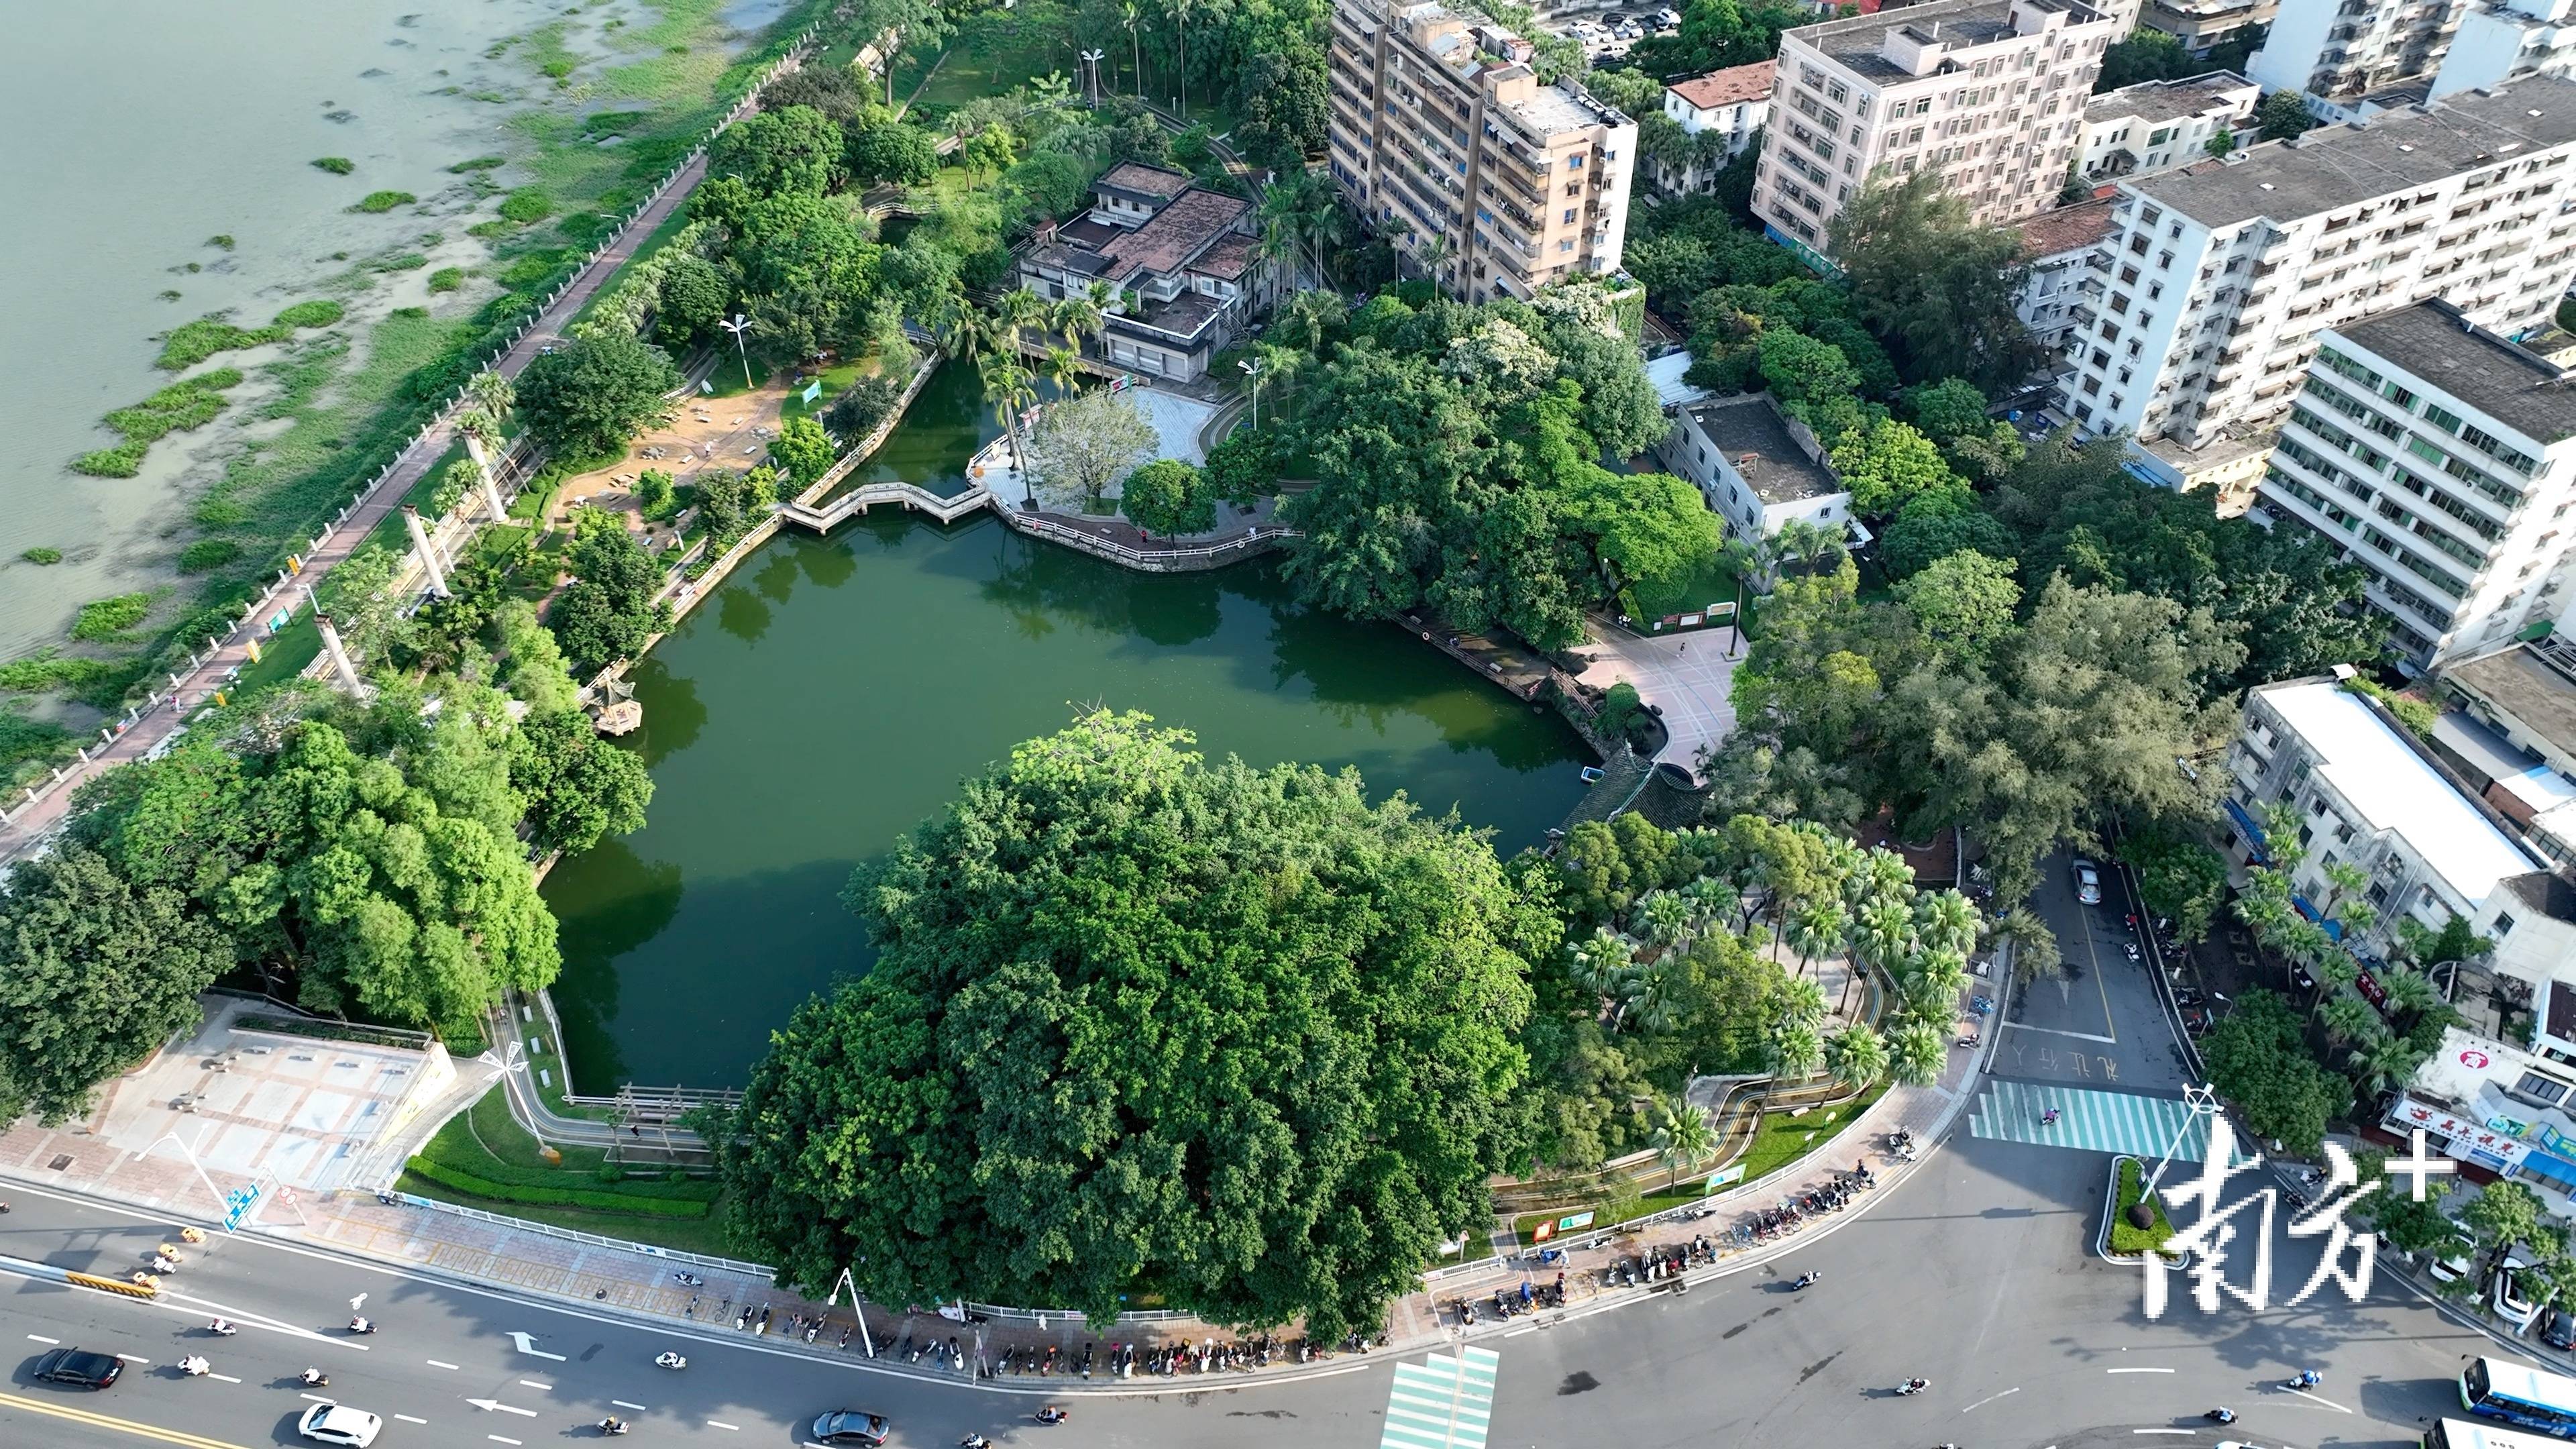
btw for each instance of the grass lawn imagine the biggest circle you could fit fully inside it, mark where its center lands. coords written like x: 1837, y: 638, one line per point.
x: 1783, y: 1139
x: 728, y: 375
x: 1712, y: 582
x: 282, y: 656
x: 994, y: 52
x: 485, y: 1142
x: 833, y: 378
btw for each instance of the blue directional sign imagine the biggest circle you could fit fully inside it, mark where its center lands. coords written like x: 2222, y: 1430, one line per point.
x: 239, y: 1202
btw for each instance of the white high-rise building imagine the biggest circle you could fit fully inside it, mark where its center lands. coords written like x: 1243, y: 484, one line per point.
x: 2155, y: 126
x: 2441, y: 458
x: 2221, y: 274
x: 1502, y: 184
x: 1990, y: 93
x: 2356, y: 58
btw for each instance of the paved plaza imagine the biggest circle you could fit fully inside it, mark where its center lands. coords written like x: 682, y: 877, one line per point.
x: 1689, y: 676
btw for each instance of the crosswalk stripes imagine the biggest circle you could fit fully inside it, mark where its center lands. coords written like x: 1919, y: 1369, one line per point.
x: 1442, y: 1403
x: 2089, y: 1121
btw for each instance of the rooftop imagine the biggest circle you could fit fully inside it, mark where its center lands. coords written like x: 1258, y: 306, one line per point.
x: 2431, y: 340
x: 1672, y: 389
x: 2519, y: 681
x: 1228, y: 260
x: 1726, y: 87
x: 2172, y: 100
x: 2395, y: 789
x: 1158, y: 182
x: 1184, y: 317
x: 1756, y: 442
x: 2067, y: 229
x: 1855, y: 40
x: 2341, y: 165
x: 1176, y: 234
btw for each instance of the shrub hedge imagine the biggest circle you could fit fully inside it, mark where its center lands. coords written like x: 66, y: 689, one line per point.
x: 538, y: 1196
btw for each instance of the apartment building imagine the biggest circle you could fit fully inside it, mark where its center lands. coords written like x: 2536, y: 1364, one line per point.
x: 2441, y: 458
x: 2222, y: 273
x: 2202, y: 24
x: 1990, y: 93
x: 2512, y: 738
x: 2155, y: 126
x: 1732, y: 103
x: 1500, y: 185
x: 2058, y: 246
x: 2502, y: 40
x: 2359, y: 790
x: 2338, y: 51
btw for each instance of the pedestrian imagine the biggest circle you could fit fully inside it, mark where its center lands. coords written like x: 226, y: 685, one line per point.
x: 631, y: 1127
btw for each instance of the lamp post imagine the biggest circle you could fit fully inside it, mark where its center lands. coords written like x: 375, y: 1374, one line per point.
x: 1252, y: 371
x: 737, y: 326
x: 858, y: 1309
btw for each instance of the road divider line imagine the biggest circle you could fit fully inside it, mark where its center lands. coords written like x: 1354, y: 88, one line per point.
x: 533, y: 1384
x: 317, y: 1398
x: 129, y: 1358
x: 497, y: 1439
x: 122, y: 1426
x: 227, y: 1378
x: 2143, y: 1371
x: 435, y: 1363
x: 40, y: 1338
x: 621, y: 1403
x: 1517, y: 1332
x: 409, y: 1419
x: 1990, y: 1398
x: 2164, y: 1431
x: 721, y: 1424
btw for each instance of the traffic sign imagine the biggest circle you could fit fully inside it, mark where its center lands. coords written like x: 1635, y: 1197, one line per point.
x: 239, y: 1202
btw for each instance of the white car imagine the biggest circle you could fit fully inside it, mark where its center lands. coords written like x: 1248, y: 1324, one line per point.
x: 1668, y: 18
x: 2088, y: 882
x: 339, y: 1424
x: 2510, y: 1305
x: 2446, y: 1268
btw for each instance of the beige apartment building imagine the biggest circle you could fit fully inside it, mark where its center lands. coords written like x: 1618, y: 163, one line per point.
x: 1500, y: 185
x: 1990, y: 93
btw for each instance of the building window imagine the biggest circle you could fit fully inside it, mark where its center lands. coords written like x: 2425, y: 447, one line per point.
x: 2536, y: 1087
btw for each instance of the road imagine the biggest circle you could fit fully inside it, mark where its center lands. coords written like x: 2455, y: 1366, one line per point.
x: 1974, y: 1274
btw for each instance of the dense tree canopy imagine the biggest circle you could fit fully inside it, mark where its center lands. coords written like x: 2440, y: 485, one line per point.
x: 1137, y: 1024
x: 1940, y: 284
x: 95, y: 973
x: 591, y: 395
x: 607, y: 612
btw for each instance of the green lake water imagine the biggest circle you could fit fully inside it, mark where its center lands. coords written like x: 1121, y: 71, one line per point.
x: 833, y: 693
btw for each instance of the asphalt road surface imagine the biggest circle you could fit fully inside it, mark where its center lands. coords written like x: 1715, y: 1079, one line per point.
x: 1975, y: 1274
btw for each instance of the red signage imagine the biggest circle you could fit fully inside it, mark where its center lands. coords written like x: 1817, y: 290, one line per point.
x: 2474, y: 1059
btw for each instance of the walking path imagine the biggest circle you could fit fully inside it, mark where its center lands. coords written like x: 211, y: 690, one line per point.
x: 28, y: 824
x: 1693, y: 687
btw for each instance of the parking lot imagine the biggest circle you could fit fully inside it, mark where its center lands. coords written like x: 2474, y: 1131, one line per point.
x: 1608, y: 33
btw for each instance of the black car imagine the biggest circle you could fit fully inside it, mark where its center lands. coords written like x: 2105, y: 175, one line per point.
x: 76, y: 1366
x: 849, y: 1426
x: 2558, y: 1329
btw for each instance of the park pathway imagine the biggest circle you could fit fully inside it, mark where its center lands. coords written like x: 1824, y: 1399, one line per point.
x: 29, y: 824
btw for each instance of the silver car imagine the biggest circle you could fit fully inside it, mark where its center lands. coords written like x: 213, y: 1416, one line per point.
x: 2088, y: 882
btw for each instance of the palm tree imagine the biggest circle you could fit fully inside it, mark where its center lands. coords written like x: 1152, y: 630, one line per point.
x: 1601, y: 965
x: 1933, y: 981
x: 2384, y: 1061
x: 1131, y: 15
x: 2410, y: 992
x: 1917, y: 1053
x: 956, y: 326
x: 1816, y: 928
x: 489, y: 393
x: 1020, y: 312
x: 1654, y: 1000
x: 1180, y: 10
x: 2348, y: 1018
x: 1802, y: 1004
x: 1433, y: 254
x: 1684, y: 1140
x: 1009, y: 388
x: 1794, y: 1050
x: 1063, y: 365
x: 1308, y: 320
x: 1948, y: 920
x: 1079, y: 314
x: 1856, y: 1057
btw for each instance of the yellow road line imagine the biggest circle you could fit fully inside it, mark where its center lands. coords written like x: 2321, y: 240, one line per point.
x: 122, y: 1426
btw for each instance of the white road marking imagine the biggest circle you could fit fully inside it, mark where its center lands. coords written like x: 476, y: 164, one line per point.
x: 490, y: 1406
x: 621, y: 1403
x: 317, y: 1398
x: 435, y: 1363
x: 1990, y: 1398
x: 2143, y: 1371
x: 533, y: 1384
x: 1517, y: 1332
x: 2053, y: 1031
x: 40, y: 1338
x: 721, y: 1424
x: 408, y: 1419
x: 497, y: 1439
x: 527, y: 1345
x: 129, y: 1358
x: 2164, y: 1431
x: 2313, y: 1399
x: 227, y: 1378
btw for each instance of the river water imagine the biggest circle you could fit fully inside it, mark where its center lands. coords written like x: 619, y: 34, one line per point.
x: 137, y: 130
x: 833, y: 693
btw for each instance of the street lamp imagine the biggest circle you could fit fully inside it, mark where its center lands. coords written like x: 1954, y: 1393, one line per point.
x: 858, y: 1309
x: 1091, y: 58
x: 1252, y: 371
x: 737, y: 326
